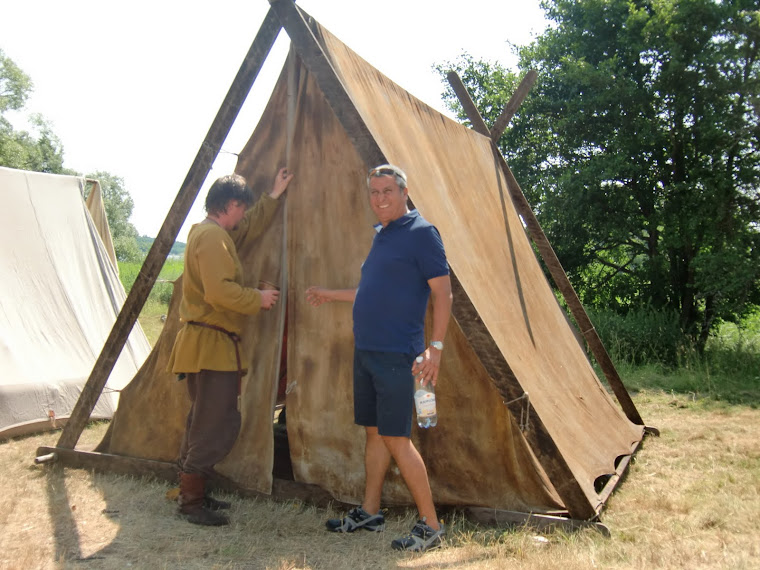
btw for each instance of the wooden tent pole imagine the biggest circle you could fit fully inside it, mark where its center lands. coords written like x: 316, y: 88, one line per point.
x: 512, y: 105
x: 551, y: 260
x: 477, y: 122
x: 464, y: 312
x: 318, y: 65
x: 154, y: 261
x: 290, y: 132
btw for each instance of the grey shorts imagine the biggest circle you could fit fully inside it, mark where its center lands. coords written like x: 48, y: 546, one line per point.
x: 384, y: 391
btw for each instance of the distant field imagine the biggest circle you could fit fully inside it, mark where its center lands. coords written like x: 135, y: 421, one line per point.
x: 145, y: 243
x: 158, y: 302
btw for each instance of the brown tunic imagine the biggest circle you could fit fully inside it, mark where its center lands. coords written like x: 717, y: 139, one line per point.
x: 213, y: 292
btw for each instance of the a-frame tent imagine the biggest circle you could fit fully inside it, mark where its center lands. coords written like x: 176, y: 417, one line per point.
x: 59, y: 297
x: 525, y: 424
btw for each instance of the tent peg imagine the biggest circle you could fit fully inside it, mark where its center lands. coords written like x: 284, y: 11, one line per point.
x: 47, y: 458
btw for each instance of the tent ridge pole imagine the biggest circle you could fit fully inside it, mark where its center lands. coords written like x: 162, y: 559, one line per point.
x: 501, y: 122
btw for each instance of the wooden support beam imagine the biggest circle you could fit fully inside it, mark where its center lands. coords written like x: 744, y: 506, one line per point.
x: 282, y: 490
x: 512, y: 105
x: 167, y: 235
x: 496, y: 517
x: 559, y: 276
x: 108, y: 463
x: 315, y: 60
x: 477, y: 122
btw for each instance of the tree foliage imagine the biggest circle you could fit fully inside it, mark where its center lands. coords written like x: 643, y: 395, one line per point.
x: 639, y: 148
x: 119, y: 205
x: 15, y: 85
x: 40, y: 151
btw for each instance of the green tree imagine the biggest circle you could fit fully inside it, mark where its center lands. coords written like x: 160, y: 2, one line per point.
x: 15, y: 85
x: 119, y: 205
x: 41, y: 151
x: 488, y: 83
x: 639, y: 148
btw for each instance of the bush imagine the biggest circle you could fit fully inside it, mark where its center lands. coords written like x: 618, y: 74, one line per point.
x: 642, y: 336
x: 650, y: 352
x: 735, y: 349
x: 128, y: 271
x: 126, y: 249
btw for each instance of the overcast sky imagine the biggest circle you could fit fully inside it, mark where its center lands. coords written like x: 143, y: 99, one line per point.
x: 132, y: 87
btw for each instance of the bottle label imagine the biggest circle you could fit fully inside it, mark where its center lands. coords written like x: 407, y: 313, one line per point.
x: 425, y: 403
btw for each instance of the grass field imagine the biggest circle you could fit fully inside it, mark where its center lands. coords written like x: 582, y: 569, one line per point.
x: 153, y: 312
x: 690, y: 500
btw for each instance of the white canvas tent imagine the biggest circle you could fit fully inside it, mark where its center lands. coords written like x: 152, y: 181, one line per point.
x: 59, y: 297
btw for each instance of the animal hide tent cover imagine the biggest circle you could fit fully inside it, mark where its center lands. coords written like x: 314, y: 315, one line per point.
x: 477, y: 454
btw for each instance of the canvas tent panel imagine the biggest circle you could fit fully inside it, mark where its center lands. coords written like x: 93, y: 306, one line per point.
x: 97, y: 210
x: 492, y: 257
x: 329, y: 234
x: 251, y: 460
x: 326, y: 447
x: 59, y: 297
x: 149, y: 422
x: 477, y: 455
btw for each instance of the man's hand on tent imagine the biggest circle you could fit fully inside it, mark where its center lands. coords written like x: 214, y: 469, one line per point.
x: 317, y: 295
x: 281, y: 182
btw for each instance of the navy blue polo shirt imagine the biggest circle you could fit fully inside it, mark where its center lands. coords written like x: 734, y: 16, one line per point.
x: 390, y: 304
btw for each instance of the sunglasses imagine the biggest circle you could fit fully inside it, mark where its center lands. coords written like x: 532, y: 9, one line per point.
x: 378, y: 172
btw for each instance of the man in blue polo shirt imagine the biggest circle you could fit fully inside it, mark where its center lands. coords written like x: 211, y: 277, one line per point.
x: 405, y: 266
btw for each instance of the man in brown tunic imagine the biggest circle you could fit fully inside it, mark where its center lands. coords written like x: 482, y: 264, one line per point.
x: 215, y: 305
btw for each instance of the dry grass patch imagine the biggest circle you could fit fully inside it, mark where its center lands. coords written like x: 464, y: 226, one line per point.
x: 691, y: 500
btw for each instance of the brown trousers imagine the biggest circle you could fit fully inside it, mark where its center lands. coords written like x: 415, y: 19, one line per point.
x: 213, y: 422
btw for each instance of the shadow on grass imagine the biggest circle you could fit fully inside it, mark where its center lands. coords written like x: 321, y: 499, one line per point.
x: 149, y: 533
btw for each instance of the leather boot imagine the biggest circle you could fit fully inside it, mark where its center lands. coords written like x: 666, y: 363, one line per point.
x: 192, y: 491
x: 213, y: 504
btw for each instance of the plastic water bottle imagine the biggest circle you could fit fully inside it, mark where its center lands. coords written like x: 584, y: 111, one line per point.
x: 424, y: 402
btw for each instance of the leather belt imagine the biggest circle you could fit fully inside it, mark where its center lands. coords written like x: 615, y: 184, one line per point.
x: 235, y: 338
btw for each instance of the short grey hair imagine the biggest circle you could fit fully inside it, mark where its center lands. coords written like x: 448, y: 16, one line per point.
x: 388, y: 170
